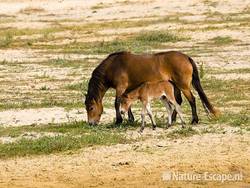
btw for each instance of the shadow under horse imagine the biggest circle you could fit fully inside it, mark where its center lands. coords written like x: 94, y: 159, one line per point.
x: 125, y: 71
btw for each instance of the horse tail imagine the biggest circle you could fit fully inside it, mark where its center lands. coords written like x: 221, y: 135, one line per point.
x: 197, y: 86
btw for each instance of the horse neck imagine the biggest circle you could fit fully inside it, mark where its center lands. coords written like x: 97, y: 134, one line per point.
x: 97, y: 89
x: 102, y: 93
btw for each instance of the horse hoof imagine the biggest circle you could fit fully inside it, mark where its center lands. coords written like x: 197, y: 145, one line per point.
x: 194, y: 121
x: 168, y: 126
x: 131, y: 120
x: 118, y: 121
x: 153, y: 128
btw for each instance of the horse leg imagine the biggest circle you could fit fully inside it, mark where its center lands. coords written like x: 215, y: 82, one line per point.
x: 119, y: 92
x: 178, y: 98
x: 117, y: 111
x: 191, y: 99
x: 150, y: 114
x: 130, y: 115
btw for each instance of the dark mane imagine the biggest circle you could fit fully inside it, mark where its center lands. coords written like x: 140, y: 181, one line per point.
x: 117, y: 53
x: 97, y: 83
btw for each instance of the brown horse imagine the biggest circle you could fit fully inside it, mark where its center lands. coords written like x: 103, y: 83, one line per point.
x: 125, y: 71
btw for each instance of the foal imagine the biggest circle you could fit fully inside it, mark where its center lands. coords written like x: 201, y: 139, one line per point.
x: 145, y: 93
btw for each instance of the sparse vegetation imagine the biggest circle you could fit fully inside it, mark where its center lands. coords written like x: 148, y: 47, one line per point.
x: 241, y: 119
x: 76, y: 86
x: 6, y: 40
x: 47, y: 57
x: 99, y: 6
x: 202, y: 72
x: 158, y: 37
x: 182, y: 132
x: 44, y: 88
x: 222, y: 40
x: 137, y: 43
x: 76, y: 135
x: 31, y: 10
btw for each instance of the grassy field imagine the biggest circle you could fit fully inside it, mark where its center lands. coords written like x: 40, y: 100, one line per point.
x: 47, y: 56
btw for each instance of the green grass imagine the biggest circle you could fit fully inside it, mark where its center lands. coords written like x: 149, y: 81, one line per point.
x: 59, y: 62
x: 137, y: 43
x: 99, y: 6
x: 31, y: 10
x: 71, y: 128
x: 48, y: 34
x: 224, y: 91
x: 46, y: 102
x: 210, y: 3
x: 222, y: 40
x: 70, y: 96
x: 6, y: 40
x: 179, y: 133
x: 241, y: 119
x: 158, y: 37
x: 202, y: 70
x: 10, y: 37
x: 48, y: 145
x: 82, y: 87
x: 228, y: 71
x: 44, y: 88
x: 76, y: 135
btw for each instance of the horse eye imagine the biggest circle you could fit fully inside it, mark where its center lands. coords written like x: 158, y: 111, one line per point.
x: 91, y: 108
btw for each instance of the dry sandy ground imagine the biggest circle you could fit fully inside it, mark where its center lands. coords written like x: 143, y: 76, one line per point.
x: 140, y: 164
x: 42, y: 116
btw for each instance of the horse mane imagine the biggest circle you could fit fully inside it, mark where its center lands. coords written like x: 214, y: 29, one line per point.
x: 97, y: 82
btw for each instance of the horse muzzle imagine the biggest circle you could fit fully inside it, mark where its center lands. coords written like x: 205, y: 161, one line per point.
x: 92, y: 123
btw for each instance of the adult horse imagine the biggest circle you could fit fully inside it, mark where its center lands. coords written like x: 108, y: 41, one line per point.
x: 124, y: 71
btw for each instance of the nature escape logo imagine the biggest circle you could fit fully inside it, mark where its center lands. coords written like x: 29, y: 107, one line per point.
x: 206, y: 176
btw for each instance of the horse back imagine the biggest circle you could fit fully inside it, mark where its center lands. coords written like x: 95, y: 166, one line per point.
x: 133, y: 70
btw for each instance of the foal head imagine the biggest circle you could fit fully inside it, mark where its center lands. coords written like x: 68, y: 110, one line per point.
x: 125, y: 103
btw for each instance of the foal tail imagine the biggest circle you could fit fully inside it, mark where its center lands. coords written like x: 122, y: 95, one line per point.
x: 197, y: 86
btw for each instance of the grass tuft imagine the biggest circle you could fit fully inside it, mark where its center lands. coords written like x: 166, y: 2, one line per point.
x: 6, y: 40
x: 182, y: 132
x: 138, y: 43
x: 44, y: 88
x: 222, y: 40
x: 76, y: 135
x: 158, y: 37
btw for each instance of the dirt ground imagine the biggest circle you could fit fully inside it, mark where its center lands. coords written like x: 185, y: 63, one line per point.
x: 137, y: 165
x: 140, y: 164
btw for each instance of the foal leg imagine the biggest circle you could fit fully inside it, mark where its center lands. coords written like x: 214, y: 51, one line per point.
x: 191, y: 99
x: 178, y: 98
x: 171, y: 110
x: 142, y: 119
x: 168, y: 107
x: 178, y: 110
x: 148, y: 108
